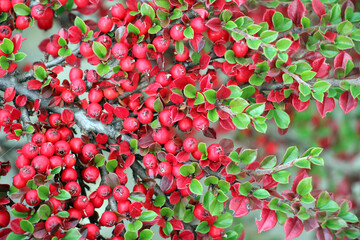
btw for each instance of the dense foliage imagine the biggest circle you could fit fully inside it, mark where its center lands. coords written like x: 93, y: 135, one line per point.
x: 150, y: 91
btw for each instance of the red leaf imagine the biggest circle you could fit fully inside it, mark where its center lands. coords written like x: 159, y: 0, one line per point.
x: 303, y: 174
x: 347, y: 103
x: 219, y: 50
x: 341, y: 59
x: 320, y: 67
x: 177, y: 224
x: 34, y: 85
x: 197, y: 43
x: 101, y: 138
x: 75, y: 34
x: 240, y: 205
x: 9, y: 94
x: 296, y: 10
x: 214, y: 24
x: 318, y: 7
x: 210, y: 133
x: 293, y: 227
x: 227, y: 124
x: 121, y: 112
x: 268, y: 220
x: 326, y: 106
x: 118, y: 229
x: 129, y: 161
x: 298, y: 104
x: 324, y: 234
x: 204, y: 61
x: 186, y: 235
x: 21, y: 100
x: 67, y: 116
x: 223, y: 93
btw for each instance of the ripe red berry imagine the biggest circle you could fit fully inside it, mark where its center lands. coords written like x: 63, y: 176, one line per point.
x: 164, y: 78
x: 55, y: 161
x: 4, y: 218
x: 200, y: 212
x: 177, y: 32
x: 105, y: 24
x: 62, y: 148
x: 145, y: 116
x: 140, y: 49
x: 52, y: 223
x: 178, y: 71
x: 76, y: 145
x: 123, y: 206
x: 55, y: 120
x: 171, y: 147
x: 182, y: 57
x: 108, y: 219
x: 65, y: 133
x: 30, y: 150
x: 121, y: 193
x: 27, y: 172
x: 94, y: 110
x: 86, y: 49
x: 198, y: 25
x: 70, y: 160
x: 90, y: 174
x: 143, y: 65
x: 32, y: 198
x: 96, y: 200
x: 57, y: 205
x: 103, y: 191
x: 131, y: 124
x: 240, y: 49
x: 219, y: 35
x: 18, y: 181
x: 40, y: 163
x: 38, y: 12
x: 165, y: 118
x: 5, y: 32
x: 214, y: 152
x: 74, y: 213
x: 38, y: 139
x: 81, y: 3
x: 111, y: 93
x: 52, y: 135
x: 81, y: 202
x: 243, y: 74
x: 150, y: 161
x: 190, y: 144
x: 73, y: 188
x: 164, y: 168
x: 127, y: 64
x: 201, y: 123
x: 118, y: 11
x: 75, y: 73
x: 22, y: 161
x: 93, y: 230
x: 89, y: 210
x: 161, y: 44
x: 47, y: 149
x: 140, y: 188
x: 89, y: 151
x: 105, y: 40
x: 78, y: 86
x: 215, y: 232
x: 161, y: 135
x: 68, y: 96
x: 185, y: 124
x: 119, y: 50
x: 68, y: 175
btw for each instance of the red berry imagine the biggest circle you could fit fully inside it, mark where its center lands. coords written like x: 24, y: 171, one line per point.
x: 62, y: 148
x: 81, y: 202
x: 177, y: 32
x: 161, y: 44
x: 18, y: 181
x: 75, y: 74
x: 139, y: 50
x: 93, y: 230
x: 65, y: 133
x: 86, y: 49
x: 150, y: 161
x: 171, y: 147
x: 52, y: 135
x: 81, y: 3
x: 32, y: 198
x: 200, y: 123
x: 243, y: 74
x: 161, y: 135
x: 74, y: 213
x: 118, y: 11
x: 27, y: 172
x: 89, y: 151
x: 92, y: 76
x: 78, y: 86
x: 200, y: 212
x: 123, y: 206
x: 55, y: 161
x: 127, y: 64
x: 131, y: 124
x: 111, y: 93
x: 52, y: 223
x: 76, y: 145
x: 40, y: 163
x: 178, y: 71
x: 143, y: 65
x: 105, y: 40
x: 121, y: 193
x: 140, y: 188
x: 240, y: 49
x: 94, y: 110
x: 105, y: 24
x: 38, y: 139
x: 103, y: 191
x: 119, y: 50
x: 214, y: 152
x: 182, y: 57
x: 190, y: 144
x: 30, y: 150
x: 22, y: 161
x: 145, y: 116
x: 185, y: 124
x: 164, y: 78
x: 165, y: 118
x: 215, y: 232
x: 68, y: 175
x: 38, y: 11
x: 164, y: 168
x: 73, y: 188
x: 47, y: 149
x: 89, y: 210
x: 5, y: 32
x: 96, y: 200
x: 90, y: 174
x: 108, y: 219
x: 55, y: 120
x: 68, y: 96
x: 57, y: 205
x: 4, y: 218
x: 198, y: 25
x: 70, y: 160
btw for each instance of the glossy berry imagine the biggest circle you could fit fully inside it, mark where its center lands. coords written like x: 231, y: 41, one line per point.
x: 32, y: 198
x: 178, y: 71
x: 108, y: 219
x: 183, y: 56
x: 30, y: 150
x: 55, y: 161
x: 52, y: 223
x: 119, y: 50
x: 52, y: 135
x: 127, y: 64
x: 89, y: 151
x: 76, y: 145
x: 163, y: 78
x: 81, y: 202
x: 198, y: 25
x: 69, y: 175
x: 201, y: 123
x: 215, y: 232
x: 161, y: 135
x: 103, y: 191
x: 81, y: 3
x: 164, y: 168
x: 161, y: 44
x: 200, y: 212
x: 143, y: 65
x: 150, y: 161
x: 70, y: 160
x: 5, y: 32
x: 27, y: 172
x: 18, y: 181
x: 121, y: 193
x: 145, y: 116
x: 4, y: 218
x: 47, y: 149
x: 177, y: 32
x: 94, y: 110
x: 131, y: 124
x: 190, y: 144
x: 62, y: 148
x: 55, y: 120
x: 38, y: 139
x: 118, y: 11
x: 105, y: 24
x: 240, y: 49
x: 111, y: 93
x: 22, y: 161
x: 123, y: 206
x: 93, y: 231
x: 40, y: 163
x: 90, y: 174
x: 73, y: 188
x: 185, y: 124
x: 140, y: 50
x: 214, y: 152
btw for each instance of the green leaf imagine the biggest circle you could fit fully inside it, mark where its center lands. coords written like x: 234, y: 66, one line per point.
x: 230, y: 25
x: 159, y: 201
x: 321, y: 86
x: 213, y: 115
x: 21, y: 9
x: 304, y: 89
x: 179, y: 210
x: 147, y: 216
x: 203, y: 227
x: 268, y: 36
x: 19, y: 56
x: 43, y: 192
x: 132, y: 28
x: 277, y: 19
x: 202, y: 147
x: 111, y: 165
x: 99, y: 160
x: 305, y: 22
x: 261, y: 193
x: 304, y: 187
x: 248, y: 156
x: 281, y: 118
x: 281, y: 176
x: 344, y: 28
x: 188, y: 216
x: 186, y: 170
x: 56, y: 170
x: 241, y: 121
x: 199, y: 98
x: 196, y: 187
x: 63, y: 195
x: 238, y: 105
x: 7, y: 46
x: 308, y: 75
x: 335, y: 14
x: 64, y: 52
x: 335, y: 223
x: 245, y: 188
x: 80, y: 24
x: 14, y: 236
x: 158, y: 105
x: 224, y: 220
x: 303, y: 163
x: 63, y: 214
x: 270, y: 53
x: 146, y: 9
x: 190, y: 91
x: 328, y: 50
x: 72, y: 234
x: 283, y: 44
x: 44, y: 212
x: 179, y: 46
x: 210, y: 96
x: 235, y: 91
x: 268, y: 162
x: 256, y: 109
x: 189, y: 33
x: 163, y: 3
x: 230, y: 56
x: 146, y: 234
x: 233, y: 168
x: 355, y: 35
x: 130, y: 236
x: 99, y: 49
x: 168, y: 228
x: 26, y: 226
x: 253, y: 43
x: 135, y: 226
x: 343, y: 42
x: 291, y: 154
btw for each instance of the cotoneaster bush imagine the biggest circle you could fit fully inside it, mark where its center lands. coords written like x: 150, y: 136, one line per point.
x: 168, y: 81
